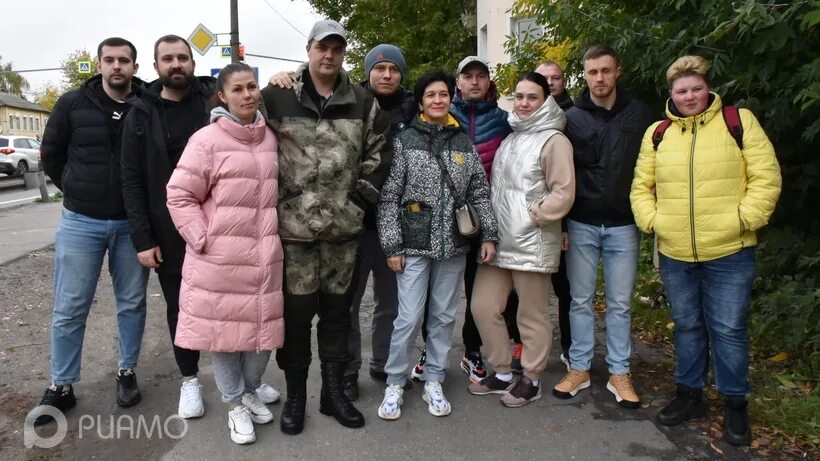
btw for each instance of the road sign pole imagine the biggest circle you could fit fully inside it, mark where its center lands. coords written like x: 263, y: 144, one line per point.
x: 234, y: 31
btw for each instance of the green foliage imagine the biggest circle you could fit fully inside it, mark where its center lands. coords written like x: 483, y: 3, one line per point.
x: 433, y: 34
x: 764, y: 57
x: 10, y: 81
x: 72, y: 78
x: 786, y: 303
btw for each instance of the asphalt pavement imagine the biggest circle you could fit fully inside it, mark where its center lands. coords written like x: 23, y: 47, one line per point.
x: 589, y: 427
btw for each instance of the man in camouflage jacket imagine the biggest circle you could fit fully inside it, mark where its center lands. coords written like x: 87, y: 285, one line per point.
x: 329, y: 173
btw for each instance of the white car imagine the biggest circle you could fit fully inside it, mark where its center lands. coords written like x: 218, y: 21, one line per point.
x: 19, y: 154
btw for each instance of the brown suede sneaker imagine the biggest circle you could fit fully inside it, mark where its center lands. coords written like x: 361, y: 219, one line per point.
x: 490, y: 385
x: 621, y: 387
x: 521, y: 394
x: 573, y: 382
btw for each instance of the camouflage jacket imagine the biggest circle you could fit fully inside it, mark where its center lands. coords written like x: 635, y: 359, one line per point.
x: 416, y: 207
x: 329, y: 159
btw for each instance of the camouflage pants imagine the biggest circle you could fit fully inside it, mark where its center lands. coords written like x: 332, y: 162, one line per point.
x: 320, y: 266
x: 318, y: 281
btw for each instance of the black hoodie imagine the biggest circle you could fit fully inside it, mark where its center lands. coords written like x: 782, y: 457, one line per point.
x: 147, y: 166
x: 606, y: 145
x: 81, y: 150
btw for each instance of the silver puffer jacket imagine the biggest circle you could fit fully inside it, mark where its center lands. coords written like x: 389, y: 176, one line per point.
x: 518, y: 183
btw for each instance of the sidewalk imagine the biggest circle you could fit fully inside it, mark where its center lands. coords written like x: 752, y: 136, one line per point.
x: 589, y: 427
x: 27, y: 228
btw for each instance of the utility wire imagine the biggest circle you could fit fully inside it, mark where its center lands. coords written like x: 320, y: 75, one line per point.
x: 285, y: 19
x: 29, y: 70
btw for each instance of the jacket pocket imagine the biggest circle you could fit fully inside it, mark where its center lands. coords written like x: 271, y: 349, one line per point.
x: 584, y: 144
x: 416, y: 225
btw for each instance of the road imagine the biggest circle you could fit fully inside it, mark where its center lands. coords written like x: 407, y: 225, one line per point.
x: 13, y: 193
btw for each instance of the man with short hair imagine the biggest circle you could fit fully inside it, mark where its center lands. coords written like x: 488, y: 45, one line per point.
x: 329, y: 167
x: 557, y: 82
x: 605, y: 126
x: 81, y: 154
x: 560, y: 283
x: 476, y: 109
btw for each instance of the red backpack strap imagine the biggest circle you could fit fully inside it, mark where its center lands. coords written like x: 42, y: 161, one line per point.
x: 657, y: 135
x: 731, y: 116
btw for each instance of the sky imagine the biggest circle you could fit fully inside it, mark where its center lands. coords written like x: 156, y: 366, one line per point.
x: 41, y: 33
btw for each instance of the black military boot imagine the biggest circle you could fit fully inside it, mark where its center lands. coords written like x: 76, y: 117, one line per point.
x: 292, y: 420
x: 334, y: 402
x: 688, y: 404
x: 737, y: 430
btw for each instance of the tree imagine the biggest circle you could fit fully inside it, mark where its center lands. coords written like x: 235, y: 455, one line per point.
x: 47, y: 96
x: 72, y: 78
x: 764, y: 57
x: 433, y: 34
x: 11, y: 82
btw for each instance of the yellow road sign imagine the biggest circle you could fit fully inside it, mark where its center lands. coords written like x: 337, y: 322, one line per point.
x: 201, y: 39
x: 84, y: 67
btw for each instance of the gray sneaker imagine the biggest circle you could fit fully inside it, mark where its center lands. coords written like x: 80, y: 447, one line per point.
x: 490, y: 385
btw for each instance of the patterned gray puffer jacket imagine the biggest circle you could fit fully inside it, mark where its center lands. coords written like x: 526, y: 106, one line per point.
x: 415, y: 215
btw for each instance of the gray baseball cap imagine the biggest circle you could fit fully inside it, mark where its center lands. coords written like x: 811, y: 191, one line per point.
x: 325, y: 28
x: 472, y: 60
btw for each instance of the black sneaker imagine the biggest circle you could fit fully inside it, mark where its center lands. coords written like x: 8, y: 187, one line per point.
x: 378, y: 375
x: 59, y: 397
x: 128, y: 391
x: 472, y: 364
x: 417, y: 373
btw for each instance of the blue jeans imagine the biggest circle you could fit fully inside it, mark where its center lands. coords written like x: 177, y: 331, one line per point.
x: 444, y: 278
x: 710, y: 305
x: 80, y: 246
x: 617, y: 248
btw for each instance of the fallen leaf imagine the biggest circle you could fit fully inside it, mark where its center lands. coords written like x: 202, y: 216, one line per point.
x: 711, y: 444
x: 670, y: 326
x: 786, y: 382
x: 780, y: 357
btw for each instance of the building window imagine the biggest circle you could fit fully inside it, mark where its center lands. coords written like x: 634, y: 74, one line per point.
x: 527, y: 29
x: 37, y: 124
x: 11, y: 122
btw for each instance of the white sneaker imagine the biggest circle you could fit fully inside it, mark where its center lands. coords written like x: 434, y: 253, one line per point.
x: 390, y: 409
x: 190, y: 400
x: 259, y: 412
x: 267, y: 393
x: 437, y: 404
x: 239, y: 421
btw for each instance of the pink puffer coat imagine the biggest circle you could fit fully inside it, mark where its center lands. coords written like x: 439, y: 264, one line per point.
x: 222, y: 198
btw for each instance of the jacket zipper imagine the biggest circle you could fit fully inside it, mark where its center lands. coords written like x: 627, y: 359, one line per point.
x: 259, y: 256
x: 692, y: 189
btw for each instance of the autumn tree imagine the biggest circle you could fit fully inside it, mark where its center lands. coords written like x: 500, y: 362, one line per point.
x: 47, y: 96
x: 11, y: 82
x: 433, y: 34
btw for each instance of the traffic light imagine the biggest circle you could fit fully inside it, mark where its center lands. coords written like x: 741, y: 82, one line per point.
x: 241, y: 52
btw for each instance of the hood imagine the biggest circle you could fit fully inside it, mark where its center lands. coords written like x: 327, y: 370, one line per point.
x: 342, y: 93
x: 622, y: 98
x: 150, y: 93
x: 389, y: 101
x: 489, y: 103
x: 712, y: 110
x: 420, y: 124
x: 250, y: 133
x: 94, y: 83
x: 549, y: 116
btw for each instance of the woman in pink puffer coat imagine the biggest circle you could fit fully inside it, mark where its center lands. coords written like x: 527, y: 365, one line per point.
x: 222, y: 198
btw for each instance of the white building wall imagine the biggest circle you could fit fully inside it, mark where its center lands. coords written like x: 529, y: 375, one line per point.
x: 493, y: 24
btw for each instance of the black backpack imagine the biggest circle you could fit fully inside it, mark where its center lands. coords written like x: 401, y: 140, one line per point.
x: 731, y: 116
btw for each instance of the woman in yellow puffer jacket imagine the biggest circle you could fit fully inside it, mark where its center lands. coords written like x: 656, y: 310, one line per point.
x: 704, y: 197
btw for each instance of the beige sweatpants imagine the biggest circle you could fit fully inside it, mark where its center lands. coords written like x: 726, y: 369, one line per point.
x: 492, y: 287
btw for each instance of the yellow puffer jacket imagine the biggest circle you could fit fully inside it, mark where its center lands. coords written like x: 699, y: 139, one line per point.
x: 699, y: 193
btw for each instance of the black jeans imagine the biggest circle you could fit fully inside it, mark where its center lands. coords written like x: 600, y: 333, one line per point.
x: 187, y: 360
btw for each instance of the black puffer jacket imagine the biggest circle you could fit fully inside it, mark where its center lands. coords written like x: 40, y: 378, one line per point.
x: 394, y: 110
x: 147, y: 167
x: 82, y: 156
x: 605, y: 144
